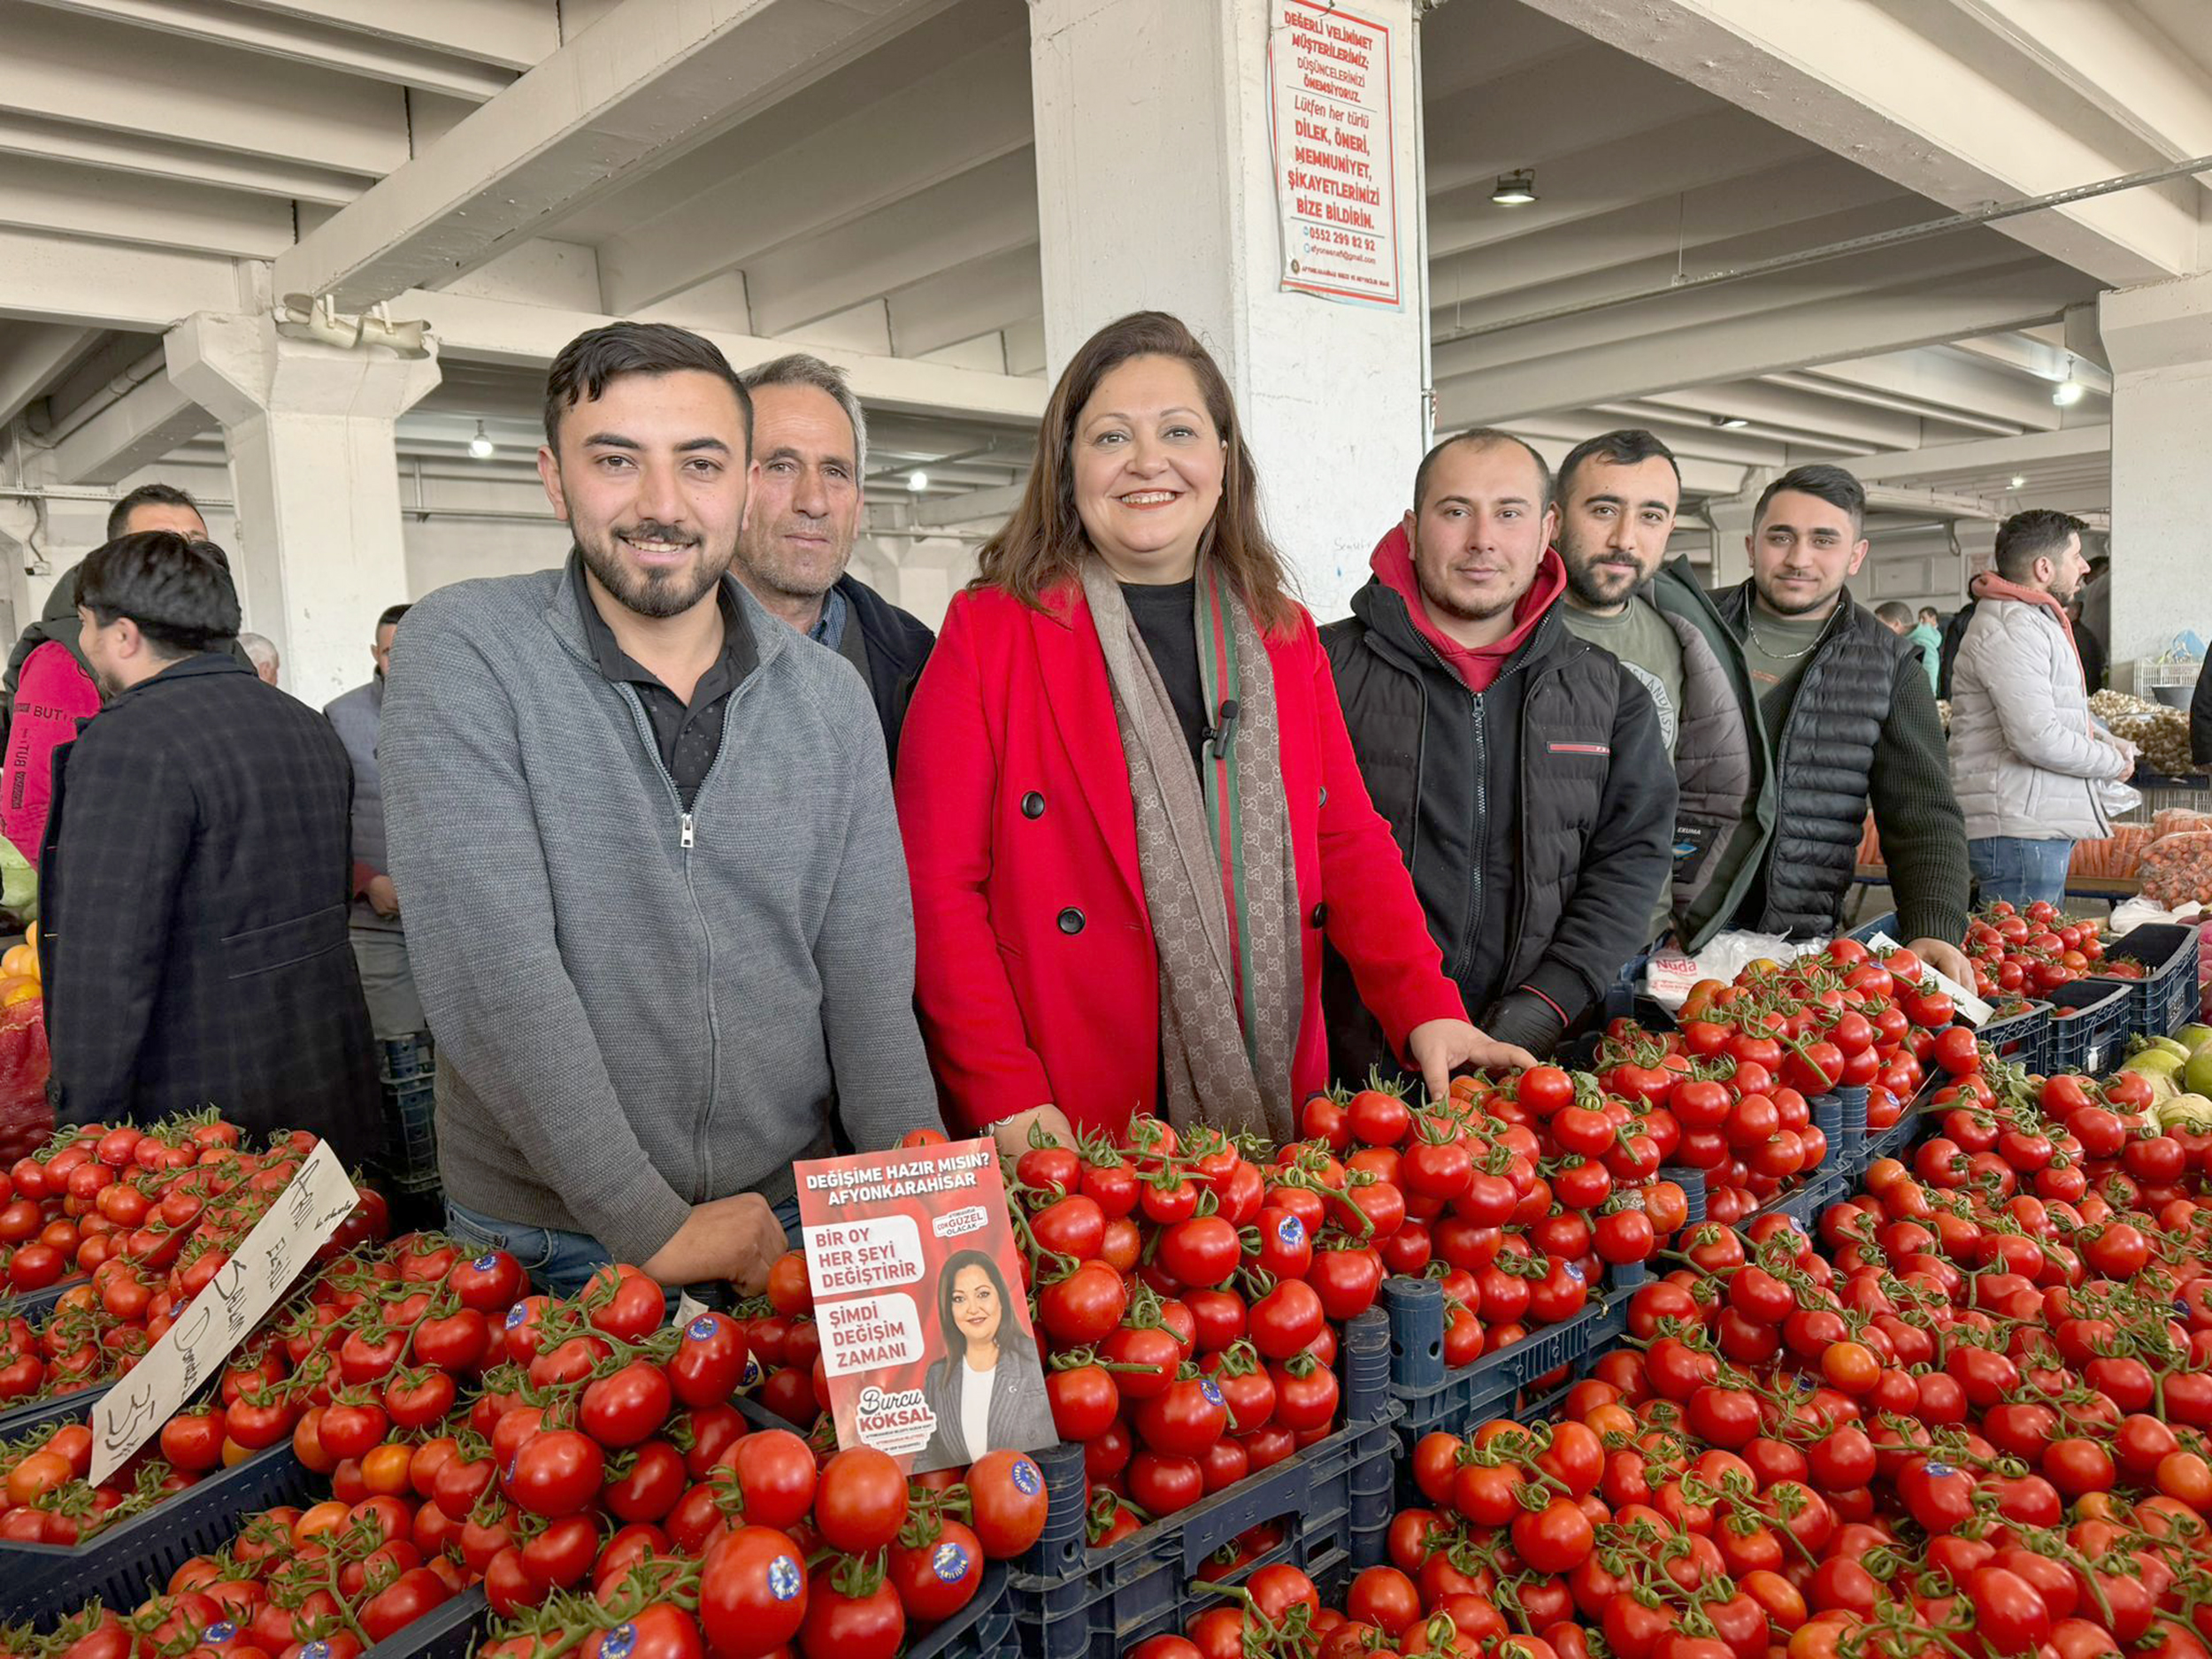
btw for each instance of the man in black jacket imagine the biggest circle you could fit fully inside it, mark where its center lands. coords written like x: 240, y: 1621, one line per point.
x: 196, y: 874
x: 1847, y: 719
x: 1521, y: 769
x: 811, y: 442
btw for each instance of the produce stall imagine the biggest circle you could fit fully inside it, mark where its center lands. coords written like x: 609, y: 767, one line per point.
x: 1816, y: 1323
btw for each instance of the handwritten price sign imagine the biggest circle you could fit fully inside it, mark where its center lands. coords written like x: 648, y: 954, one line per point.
x: 214, y: 1322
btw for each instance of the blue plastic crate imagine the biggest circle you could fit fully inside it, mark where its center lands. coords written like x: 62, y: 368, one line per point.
x: 2023, y: 1040
x: 19, y: 1419
x: 2165, y: 999
x: 411, y: 1134
x: 2092, y: 1039
x: 1893, y: 1142
x: 1693, y: 1184
x: 448, y: 1631
x: 42, y: 1584
x: 1885, y: 924
x: 406, y: 1059
x: 1070, y: 1601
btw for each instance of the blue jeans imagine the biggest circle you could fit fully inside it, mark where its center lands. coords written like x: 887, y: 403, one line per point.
x: 2013, y: 867
x: 562, y: 1262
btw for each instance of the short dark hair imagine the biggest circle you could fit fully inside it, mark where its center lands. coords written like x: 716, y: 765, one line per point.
x: 148, y: 496
x: 1929, y: 613
x: 1631, y: 446
x: 1830, y: 484
x: 1486, y: 437
x: 1894, y: 613
x: 178, y: 591
x: 588, y: 362
x: 392, y: 614
x: 2026, y: 537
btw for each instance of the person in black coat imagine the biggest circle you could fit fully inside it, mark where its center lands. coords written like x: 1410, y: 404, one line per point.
x: 196, y: 875
x: 2201, y: 719
x: 989, y: 1370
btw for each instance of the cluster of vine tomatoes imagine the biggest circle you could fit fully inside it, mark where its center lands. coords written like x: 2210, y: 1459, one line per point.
x: 2027, y: 953
x: 150, y: 1215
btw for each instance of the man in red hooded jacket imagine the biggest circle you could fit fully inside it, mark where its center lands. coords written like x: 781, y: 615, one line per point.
x: 1521, y: 769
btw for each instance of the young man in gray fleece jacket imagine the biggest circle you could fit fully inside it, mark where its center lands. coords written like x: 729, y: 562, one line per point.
x: 654, y: 894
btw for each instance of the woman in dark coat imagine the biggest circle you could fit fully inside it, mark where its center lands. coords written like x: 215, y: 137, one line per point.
x: 988, y: 1386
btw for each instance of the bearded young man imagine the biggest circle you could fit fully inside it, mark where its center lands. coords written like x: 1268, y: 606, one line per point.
x: 644, y: 838
x: 1521, y: 769
x: 1848, y: 721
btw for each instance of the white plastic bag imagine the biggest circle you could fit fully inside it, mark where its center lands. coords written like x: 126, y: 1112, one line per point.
x: 1671, y: 972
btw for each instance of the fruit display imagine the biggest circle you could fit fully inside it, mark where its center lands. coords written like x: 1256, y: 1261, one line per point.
x: 2162, y: 734
x: 1964, y: 1412
x: 149, y: 1216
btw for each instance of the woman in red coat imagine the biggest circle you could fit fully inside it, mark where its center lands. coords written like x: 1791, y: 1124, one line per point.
x: 1130, y: 808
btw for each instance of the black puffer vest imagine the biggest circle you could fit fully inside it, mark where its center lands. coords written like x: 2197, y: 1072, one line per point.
x: 1823, y: 764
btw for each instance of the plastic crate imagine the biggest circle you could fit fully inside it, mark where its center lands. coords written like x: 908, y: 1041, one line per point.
x: 1436, y: 1396
x: 1885, y: 923
x: 2165, y: 999
x: 2022, y: 1039
x: 411, y: 1115
x: 1891, y: 1142
x: 2092, y: 1039
x: 1693, y: 1184
x: 407, y: 1059
x: 45, y: 1583
x: 449, y: 1631
x: 20, y: 1418
x: 1069, y: 1601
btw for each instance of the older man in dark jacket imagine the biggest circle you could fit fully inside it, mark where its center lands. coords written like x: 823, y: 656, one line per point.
x: 196, y: 874
x: 1521, y: 769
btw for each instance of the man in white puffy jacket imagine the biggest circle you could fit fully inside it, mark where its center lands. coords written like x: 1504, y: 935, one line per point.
x: 2028, y: 763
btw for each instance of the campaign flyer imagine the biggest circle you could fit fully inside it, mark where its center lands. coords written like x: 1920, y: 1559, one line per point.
x: 919, y: 1301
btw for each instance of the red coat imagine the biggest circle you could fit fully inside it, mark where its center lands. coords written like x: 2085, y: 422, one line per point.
x: 1035, y: 969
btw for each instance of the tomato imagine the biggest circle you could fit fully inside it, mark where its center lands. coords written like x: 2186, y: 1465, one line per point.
x: 407, y: 1599
x: 656, y: 1632
x: 776, y: 1476
x: 1545, y: 1090
x: 753, y: 1592
x: 556, y: 1471
x: 627, y: 1407
x: 1082, y: 1307
x: 1006, y: 1490
x: 709, y: 1360
x: 860, y: 1502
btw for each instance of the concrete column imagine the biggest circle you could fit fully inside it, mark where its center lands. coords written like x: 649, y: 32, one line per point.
x: 316, y: 476
x: 2160, y: 340
x: 1156, y: 188
x: 1731, y: 517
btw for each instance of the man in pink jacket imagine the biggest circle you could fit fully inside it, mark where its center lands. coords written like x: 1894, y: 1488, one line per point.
x: 52, y: 687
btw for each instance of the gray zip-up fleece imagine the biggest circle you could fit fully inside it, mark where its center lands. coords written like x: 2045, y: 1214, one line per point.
x: 638, y: 1009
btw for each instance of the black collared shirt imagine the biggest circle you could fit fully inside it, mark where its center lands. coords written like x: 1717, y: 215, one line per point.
x: 689, y: 736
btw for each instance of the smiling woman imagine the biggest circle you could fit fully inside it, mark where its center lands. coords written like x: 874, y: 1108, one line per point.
x: 1130, y: 808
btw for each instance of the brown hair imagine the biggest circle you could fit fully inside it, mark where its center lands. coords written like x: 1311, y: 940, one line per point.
x: 1043, y: 543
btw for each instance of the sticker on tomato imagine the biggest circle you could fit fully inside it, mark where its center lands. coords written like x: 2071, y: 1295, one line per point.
x: 617, y: 1642
x: 950, y: 1563
x: 785, y: 1580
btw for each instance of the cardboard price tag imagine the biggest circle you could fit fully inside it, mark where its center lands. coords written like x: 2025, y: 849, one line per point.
x: 1970, y: 1007
x: 214, y: 1322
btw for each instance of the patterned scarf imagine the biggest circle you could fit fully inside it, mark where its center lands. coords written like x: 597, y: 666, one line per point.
x: 1216, y: 862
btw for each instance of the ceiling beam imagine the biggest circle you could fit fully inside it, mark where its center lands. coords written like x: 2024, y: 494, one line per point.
x: 967, y: 301
x: 1802, y: 416
x: 33, y: 355
x: 977, y: 504
x: 63, y: 280
x: 512, y: 34
x: 1732, y: 346
x: 971, y: 111
x: 1700, y: 150
x: 1855, y: 77
x: 1987, y: 455
x: 1947, y: 385
x: 407, y: 63
x: 134, y: 432
x: 1804, y: 203
x: 650, y: 79
x: 78, y: 70
x: 122, y: 207
x: 145, y: 156
x: 988, y: 210
x: 470, y: 330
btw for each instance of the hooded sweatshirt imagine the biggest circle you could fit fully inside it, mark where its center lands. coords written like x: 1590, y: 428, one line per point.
x: 1478, y: 666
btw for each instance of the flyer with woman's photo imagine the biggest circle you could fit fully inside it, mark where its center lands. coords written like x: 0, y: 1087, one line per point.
x: 920, y: 1301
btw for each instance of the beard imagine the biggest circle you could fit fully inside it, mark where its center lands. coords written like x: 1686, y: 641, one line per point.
x: 1797, y: 607
x: 1597, y: 583
x: 788, y: 572
x: 658, y: 593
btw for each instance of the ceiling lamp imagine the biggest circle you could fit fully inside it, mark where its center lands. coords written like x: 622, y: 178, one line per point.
x: 2069, y: 391
x: 1515, y: 189
x: 2019, y: 480
x: 917, y: 480
x: 1730, y: 423
x: 481, y: 446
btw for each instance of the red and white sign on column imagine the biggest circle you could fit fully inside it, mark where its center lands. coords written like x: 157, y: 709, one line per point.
x: 1336, y: 182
